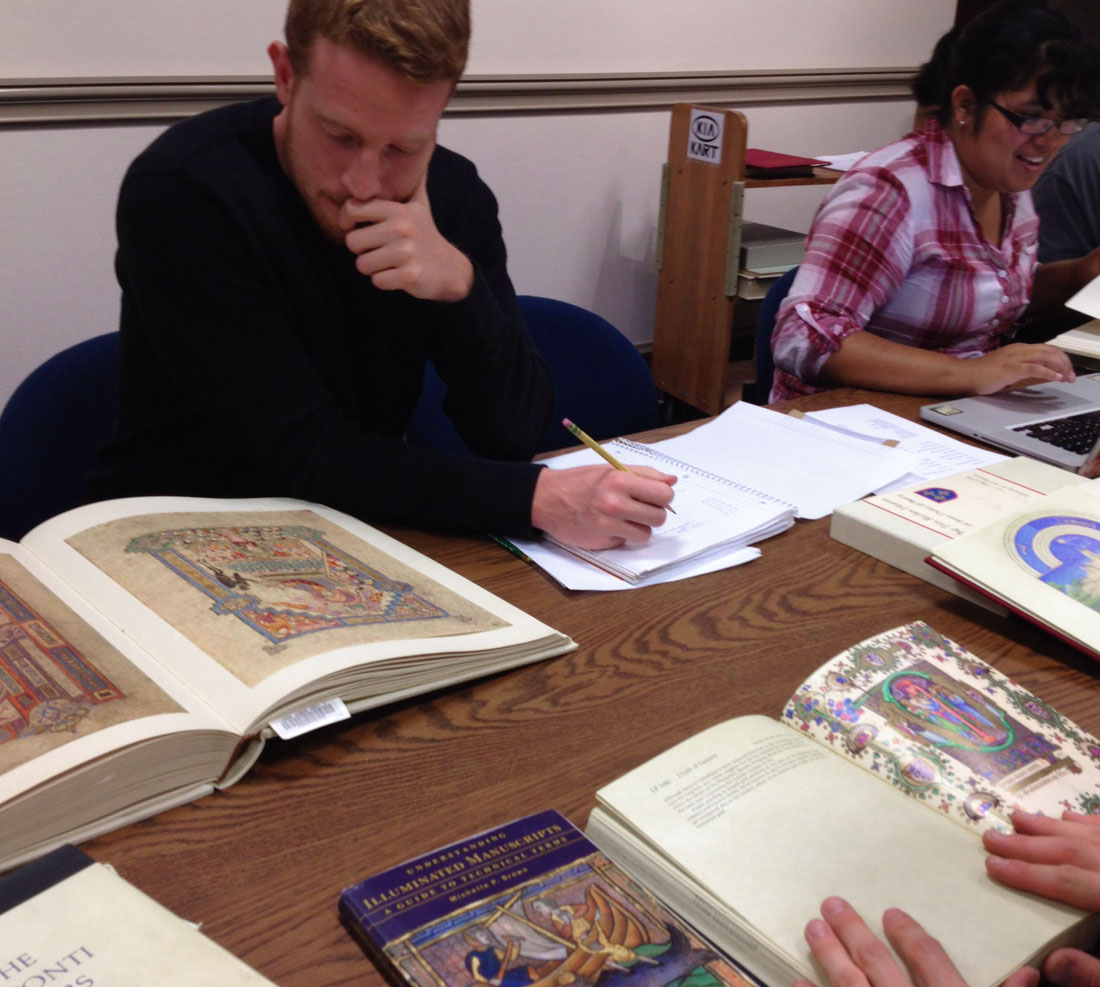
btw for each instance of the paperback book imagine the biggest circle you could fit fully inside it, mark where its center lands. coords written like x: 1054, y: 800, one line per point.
x: 875, y: 783
x: 67, y: 920
x: 530, y: 903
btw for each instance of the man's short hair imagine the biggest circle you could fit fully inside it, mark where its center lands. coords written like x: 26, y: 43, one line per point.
x: 424, y: 40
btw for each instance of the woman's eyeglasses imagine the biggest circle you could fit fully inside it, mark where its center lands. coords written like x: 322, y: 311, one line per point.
x: 1039, y: 125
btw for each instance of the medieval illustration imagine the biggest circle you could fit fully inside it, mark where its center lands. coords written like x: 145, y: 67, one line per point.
x: 943, y: 727
x: 283, y: 581
x: 258, y: 597
x: 582, y: 925
x: 1063, y: 551
x: 59, y: 679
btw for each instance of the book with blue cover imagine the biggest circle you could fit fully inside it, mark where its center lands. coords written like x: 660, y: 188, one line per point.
x: 531, y: 903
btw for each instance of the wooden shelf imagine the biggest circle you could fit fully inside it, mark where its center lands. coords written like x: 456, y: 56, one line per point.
x: 698, y: 250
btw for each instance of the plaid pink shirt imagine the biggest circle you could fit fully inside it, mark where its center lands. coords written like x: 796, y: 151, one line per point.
x: 895, y: 249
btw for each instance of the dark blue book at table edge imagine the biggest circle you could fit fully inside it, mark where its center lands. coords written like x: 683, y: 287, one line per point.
x: 40, y: 875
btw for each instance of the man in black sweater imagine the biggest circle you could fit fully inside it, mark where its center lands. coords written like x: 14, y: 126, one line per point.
x: 288, y: 265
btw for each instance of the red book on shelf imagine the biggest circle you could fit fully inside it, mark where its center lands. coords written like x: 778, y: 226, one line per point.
x: 773, y: 164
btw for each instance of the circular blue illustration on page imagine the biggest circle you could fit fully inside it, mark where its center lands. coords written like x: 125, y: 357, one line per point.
x: 1063, y: 551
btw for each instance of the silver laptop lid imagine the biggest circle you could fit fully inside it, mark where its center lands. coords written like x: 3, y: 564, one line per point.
x: 1030, y: 421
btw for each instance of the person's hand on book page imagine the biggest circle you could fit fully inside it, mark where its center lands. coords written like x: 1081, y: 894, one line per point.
x: 1059, y: 859
x: 851, y: 955
x: 598, y: 507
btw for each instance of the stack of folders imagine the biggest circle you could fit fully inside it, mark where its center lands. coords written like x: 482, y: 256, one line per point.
x: 766, y: 252
x: 770, y: 249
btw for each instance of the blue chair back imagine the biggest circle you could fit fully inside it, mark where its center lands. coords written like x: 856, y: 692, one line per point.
x: 51, y: 430
x: 765, y: 325
x: 601, y: 380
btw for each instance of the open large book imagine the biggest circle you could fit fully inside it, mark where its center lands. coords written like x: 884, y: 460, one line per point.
x: 149, y: 643
x: 874, y: 784
x: 1042, y: 561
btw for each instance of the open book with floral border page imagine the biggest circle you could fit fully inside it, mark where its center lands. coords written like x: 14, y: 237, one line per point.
x: 875, y: 783
x: 152, y: 645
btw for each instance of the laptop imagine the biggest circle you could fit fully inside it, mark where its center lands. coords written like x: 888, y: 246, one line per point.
x: 1057, y: 423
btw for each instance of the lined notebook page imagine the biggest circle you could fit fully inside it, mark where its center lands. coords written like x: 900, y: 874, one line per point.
x: 789, y: 459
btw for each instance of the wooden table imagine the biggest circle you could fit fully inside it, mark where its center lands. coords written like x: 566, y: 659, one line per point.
x: 261, y: 864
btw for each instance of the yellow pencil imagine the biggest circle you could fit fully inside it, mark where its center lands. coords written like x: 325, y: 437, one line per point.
x: 592, y: 444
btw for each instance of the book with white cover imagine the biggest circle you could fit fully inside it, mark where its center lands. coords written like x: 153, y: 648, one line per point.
x: 905, y: 526
x: 68, y: 921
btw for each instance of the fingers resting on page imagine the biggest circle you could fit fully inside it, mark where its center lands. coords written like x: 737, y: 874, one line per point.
x: 851, y: 955
x: 598, y: 507
x: 1058, y: 859
x: 1055, y: 858
x: 1070, y: 968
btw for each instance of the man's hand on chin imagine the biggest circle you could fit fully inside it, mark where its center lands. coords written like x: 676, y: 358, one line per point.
x: 400, y: 249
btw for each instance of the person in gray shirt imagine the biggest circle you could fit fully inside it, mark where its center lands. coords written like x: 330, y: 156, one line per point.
x: 1067, y: 198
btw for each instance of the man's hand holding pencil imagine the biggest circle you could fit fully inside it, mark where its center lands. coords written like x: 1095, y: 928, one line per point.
x: 600, y: 506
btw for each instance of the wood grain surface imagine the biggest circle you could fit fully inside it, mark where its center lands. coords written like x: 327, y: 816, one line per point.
x: 261, y: 864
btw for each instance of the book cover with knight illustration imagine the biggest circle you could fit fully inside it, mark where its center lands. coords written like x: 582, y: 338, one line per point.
x: 531, y: 903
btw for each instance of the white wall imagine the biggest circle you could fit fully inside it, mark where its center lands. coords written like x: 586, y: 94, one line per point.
x: 579, y: 194
x: 578, y: 191
x: 47, y: 38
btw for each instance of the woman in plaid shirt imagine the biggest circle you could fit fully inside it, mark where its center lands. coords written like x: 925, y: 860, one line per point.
x: 929, y: 244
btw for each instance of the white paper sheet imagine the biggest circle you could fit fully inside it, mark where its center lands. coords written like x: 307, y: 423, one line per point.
x: 788, y: 458
x: 574, y: 573
x: 932, y: 454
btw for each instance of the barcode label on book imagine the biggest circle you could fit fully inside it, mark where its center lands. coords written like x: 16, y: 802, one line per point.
x: 310, y: 718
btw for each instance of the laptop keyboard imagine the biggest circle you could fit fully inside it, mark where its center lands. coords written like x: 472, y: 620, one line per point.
x: 1077, y: 433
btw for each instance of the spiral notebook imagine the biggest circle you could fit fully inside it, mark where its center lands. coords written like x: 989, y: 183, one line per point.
x: 742, y: 477
x: 714, y: 514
